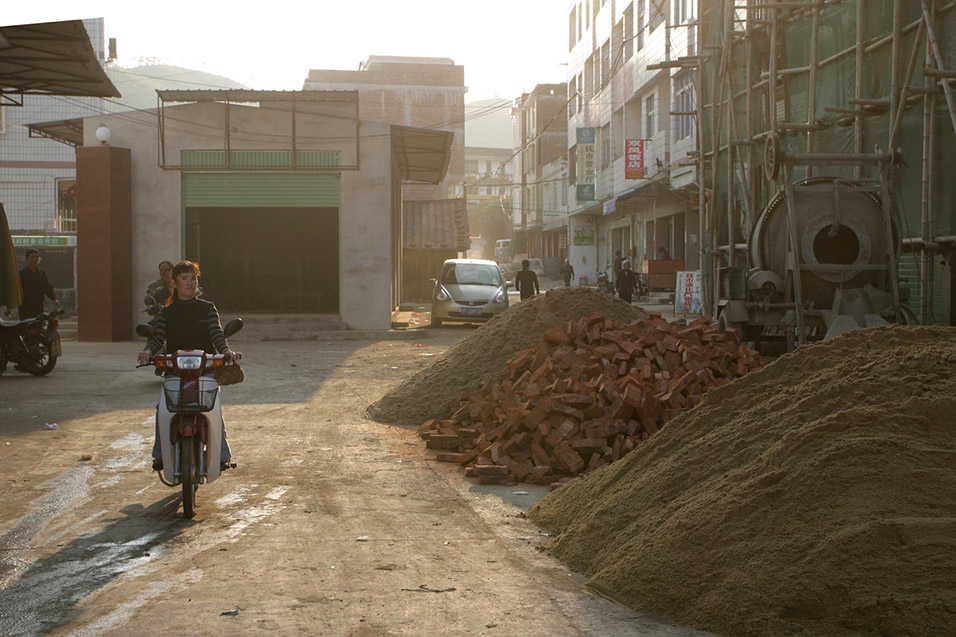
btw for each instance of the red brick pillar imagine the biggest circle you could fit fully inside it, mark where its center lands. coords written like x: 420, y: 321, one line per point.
x: 103, y: 244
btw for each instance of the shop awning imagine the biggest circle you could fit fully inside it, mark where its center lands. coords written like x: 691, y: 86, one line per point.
x: 50, y: 58
x: 66, y: 131
x: 422, y: 153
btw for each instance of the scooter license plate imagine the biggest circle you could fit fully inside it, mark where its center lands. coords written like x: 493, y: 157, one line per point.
x: 55, y: 348
x: 471, y: 311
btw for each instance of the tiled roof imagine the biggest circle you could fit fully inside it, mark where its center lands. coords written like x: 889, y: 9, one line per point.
x: 435, y: 224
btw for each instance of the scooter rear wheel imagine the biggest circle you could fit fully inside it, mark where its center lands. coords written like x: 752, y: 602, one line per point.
x: 190, y: 476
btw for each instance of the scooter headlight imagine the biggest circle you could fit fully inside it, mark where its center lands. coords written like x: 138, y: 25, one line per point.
x: 189, y: 362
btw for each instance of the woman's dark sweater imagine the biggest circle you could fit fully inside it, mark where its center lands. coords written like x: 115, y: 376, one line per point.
x: 192, y: 324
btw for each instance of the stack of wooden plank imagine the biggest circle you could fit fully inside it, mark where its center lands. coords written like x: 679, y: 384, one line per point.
x: 588, y: 393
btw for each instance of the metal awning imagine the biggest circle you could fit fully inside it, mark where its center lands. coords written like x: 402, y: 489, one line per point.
x: 50, y: 58
x: 422, y: 154
x: 239, y: 95
x: 66, y: 131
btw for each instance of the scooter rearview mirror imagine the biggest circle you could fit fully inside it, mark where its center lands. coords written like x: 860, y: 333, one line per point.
x: 232, y: 327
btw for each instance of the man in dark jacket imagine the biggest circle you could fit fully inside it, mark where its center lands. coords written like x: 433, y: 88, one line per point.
x: 159, y: 291
x: 626, y: 282
x: 618, y: 263
x: 526, y: 281
x: 567, y: 272
x: 35, y: 285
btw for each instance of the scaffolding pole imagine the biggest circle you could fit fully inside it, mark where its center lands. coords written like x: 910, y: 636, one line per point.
x: 770, y: 113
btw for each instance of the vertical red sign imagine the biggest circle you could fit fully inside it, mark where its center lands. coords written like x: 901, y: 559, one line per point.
x: 634, y: 159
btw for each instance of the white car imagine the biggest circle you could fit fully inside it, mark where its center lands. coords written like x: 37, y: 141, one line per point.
x: 468, y: 290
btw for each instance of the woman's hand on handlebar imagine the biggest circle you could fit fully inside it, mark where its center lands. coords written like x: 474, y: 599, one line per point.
x: 144, y: 357
x: 232, y: 357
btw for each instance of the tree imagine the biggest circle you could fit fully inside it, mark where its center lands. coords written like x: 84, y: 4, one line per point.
x: 491, y: 219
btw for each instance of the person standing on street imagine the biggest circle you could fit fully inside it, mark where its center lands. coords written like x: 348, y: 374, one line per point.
x: 159, y: 292
x: 626, y: 282
x: 567, y: 272
x: 526, y: 281
x: 35, y: 285
x: 618, y: 262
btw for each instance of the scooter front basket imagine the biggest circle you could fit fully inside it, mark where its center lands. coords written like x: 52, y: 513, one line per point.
x: 190, y: 396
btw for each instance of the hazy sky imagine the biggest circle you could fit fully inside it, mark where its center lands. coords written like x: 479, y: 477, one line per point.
x: 506, y: 46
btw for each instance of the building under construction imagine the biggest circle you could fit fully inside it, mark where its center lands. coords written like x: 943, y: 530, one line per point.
x: 827, y: 150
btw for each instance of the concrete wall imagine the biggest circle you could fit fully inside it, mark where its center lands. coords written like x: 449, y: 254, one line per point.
x: 365, y: 230
x: 422, y: 92
x: 366, y: 260
x: 156, y: 196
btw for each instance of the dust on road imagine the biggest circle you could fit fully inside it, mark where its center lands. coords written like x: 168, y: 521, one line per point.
x: 332, y: 524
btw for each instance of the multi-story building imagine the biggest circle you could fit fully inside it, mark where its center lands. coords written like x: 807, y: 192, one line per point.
x: 415, y: 91
x: 631, y: 133
x: 540, y: 171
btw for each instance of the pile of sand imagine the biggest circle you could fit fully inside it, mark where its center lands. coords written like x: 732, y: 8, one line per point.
x: 814, y: 497
x: 484, y: 354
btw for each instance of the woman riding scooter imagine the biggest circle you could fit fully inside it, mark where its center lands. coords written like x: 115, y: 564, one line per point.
x: 187, y: 323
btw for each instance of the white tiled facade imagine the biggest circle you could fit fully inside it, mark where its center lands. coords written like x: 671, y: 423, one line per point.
x: 610, y: 90
x: 30, y: 168
x: 612, y: 42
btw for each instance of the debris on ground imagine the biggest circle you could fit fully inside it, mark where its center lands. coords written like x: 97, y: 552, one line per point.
x: 814, y: 497
x: 484, y: 354
x: 584, y: 396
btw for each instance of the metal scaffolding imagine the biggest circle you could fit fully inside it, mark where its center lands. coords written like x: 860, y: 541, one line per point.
x: 797, y: 96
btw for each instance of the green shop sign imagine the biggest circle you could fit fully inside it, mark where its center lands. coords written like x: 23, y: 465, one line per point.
x: 42, y: 240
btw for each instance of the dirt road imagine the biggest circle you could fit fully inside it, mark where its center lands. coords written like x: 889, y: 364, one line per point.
x: 331, y: 525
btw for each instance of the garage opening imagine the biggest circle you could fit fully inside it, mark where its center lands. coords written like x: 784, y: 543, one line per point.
x: 276, y: 260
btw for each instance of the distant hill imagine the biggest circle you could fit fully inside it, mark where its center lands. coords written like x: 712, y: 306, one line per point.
x: 488, y: 124
x: 138, y: 85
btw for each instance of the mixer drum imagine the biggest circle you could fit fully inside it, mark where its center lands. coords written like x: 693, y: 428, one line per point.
x: 839, y: 227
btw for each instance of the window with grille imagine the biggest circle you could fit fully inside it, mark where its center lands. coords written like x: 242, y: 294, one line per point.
x: 641, y: 23
x: 684, y: 104
x: 605, y: 64
x: 649, y: 117
x: 628, y: 34
x: 572, y: 28
x: 605, y: 146
x: 66, y: 205
x: 684, y: 11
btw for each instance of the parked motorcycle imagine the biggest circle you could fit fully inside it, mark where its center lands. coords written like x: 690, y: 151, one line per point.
x: 604, y: 283
x: 189, y: 417
x: 33, y: 345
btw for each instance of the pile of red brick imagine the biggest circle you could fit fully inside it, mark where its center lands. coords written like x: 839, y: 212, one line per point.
x: 591, y: 391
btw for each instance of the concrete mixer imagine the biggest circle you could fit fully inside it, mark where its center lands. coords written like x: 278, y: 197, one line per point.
x: 846, y: 249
